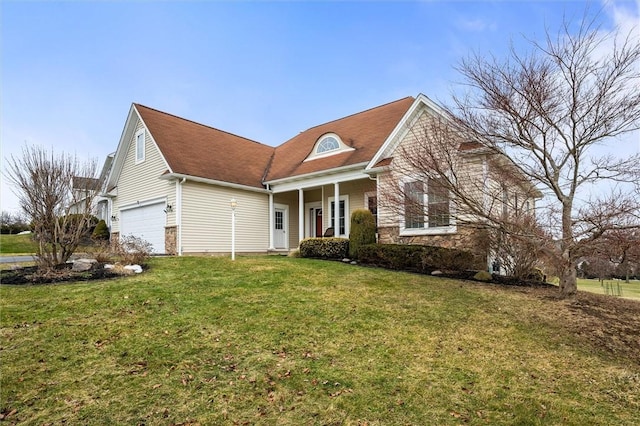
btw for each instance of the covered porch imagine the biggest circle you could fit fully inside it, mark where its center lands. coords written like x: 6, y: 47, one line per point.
x: 306, y: 208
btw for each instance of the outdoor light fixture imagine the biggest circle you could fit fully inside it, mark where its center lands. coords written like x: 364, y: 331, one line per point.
x: 234, y: 204
x: 169, y: 208
x: 114, y: 218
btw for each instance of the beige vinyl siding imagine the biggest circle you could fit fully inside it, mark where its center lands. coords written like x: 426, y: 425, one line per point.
x: 206, y: 219
x: 141, y: 182
x: 354, y: 190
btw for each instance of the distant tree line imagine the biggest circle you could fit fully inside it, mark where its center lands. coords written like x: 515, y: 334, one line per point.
x: 13, y: 223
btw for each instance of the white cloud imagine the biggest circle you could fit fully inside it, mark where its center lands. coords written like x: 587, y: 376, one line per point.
x: 475, y: 25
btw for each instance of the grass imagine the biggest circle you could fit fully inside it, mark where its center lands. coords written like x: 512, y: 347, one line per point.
x: 630, y: 290
x: 17, y: 244
x: 273, y: 340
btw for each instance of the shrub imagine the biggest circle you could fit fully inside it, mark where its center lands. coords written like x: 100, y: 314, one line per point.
x: 101, y: 251
x: 133, y: 250
x: 101, y: 231
x: 324, y: 248
x: 536, y: 274
x: 363, y: 231
x: 415, y: 257
x: 392, y: 256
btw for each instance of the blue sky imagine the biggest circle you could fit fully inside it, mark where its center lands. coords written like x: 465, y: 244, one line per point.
x: 263, y: 70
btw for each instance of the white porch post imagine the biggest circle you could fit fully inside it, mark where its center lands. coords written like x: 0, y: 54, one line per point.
x: 336, y: 209
x: 300, y: 215
x: 271, y: 222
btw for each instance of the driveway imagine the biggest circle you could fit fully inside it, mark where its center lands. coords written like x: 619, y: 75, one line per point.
x: 17, y: 259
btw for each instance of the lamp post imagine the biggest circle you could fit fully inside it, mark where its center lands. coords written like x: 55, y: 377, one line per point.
x: 234, y: 204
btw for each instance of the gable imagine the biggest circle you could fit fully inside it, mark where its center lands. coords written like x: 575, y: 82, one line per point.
x: 364, y: 133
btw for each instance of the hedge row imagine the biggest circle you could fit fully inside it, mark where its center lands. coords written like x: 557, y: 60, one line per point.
x: 324, y: 248
x: 416, y: 257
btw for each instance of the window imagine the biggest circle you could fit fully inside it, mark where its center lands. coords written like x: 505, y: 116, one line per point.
x: 329, y: 143
x: 341, y: 212
x: 425, y: 209
x: 140, y: 146
x: 371, y: 203
x: 438, y: 198
x: 414, y: 205
x: 279, y: 222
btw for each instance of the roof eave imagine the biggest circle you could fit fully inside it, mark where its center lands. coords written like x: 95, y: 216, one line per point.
x: 179, y: 176
x: 311, y: 175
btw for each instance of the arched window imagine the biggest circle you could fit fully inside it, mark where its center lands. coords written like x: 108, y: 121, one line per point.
x: 329, y: 143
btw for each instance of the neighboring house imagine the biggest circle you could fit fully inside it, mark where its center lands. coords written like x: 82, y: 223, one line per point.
x: 172, y: 181
x: 83, y: 187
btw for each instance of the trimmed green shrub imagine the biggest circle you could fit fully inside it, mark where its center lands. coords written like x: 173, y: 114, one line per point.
x: 392, y: 256
x: 416, y: 257
x: 363, y: 231
x: 101, y: 231
x: 324, y: 248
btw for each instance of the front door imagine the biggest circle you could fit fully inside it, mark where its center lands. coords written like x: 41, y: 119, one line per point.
x: 279, y: 232
x: 318, y: 223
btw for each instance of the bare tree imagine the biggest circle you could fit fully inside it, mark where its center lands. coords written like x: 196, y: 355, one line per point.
x: 60, y: 214
x: 543, y: 114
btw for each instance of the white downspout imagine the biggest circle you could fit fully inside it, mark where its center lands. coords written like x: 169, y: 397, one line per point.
x: 179, y: 213
x: 271, y: 222
x: 300, y: 215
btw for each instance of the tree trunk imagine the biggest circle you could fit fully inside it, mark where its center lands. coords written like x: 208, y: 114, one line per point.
x: 568, y: 271
x: 568, y: 280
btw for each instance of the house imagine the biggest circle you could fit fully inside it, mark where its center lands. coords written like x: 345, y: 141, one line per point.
x: 172, y: 180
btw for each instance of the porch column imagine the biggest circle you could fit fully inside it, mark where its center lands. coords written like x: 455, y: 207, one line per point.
x: 336, y: 209
x: 271, y: 222
x: 300, y: 215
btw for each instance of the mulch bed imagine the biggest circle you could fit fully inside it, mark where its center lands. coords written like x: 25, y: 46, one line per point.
x: 31, y: 276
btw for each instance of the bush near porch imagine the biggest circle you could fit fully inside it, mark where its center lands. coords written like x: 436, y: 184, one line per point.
x: 324, y: 248
x: 419, y: 258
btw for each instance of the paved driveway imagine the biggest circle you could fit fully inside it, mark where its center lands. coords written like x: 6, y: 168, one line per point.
x: 17, y: 259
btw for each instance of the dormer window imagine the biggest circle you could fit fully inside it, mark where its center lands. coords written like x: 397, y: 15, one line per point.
x: 327, y: 145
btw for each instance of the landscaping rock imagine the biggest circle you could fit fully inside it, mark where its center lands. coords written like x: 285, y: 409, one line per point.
x: 436, y: 273
x: 483, y: 276
x: 134, y: 268
x: 82, y: 265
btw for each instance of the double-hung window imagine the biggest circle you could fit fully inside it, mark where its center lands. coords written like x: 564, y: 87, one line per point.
x: 341, y: 217
x: 427, y: 207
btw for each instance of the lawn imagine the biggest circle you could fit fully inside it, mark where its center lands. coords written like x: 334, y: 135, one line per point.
x: 275, y: 340
x: 629, y: 290
x: 17, y: 244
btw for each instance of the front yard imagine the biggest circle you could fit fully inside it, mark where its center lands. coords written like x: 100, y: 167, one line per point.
x: 273, y: 340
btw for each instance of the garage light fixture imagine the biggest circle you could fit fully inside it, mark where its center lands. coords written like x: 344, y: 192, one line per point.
x: 114, y: 218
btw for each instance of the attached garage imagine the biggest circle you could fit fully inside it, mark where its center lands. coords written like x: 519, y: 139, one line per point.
x: 146, y: 221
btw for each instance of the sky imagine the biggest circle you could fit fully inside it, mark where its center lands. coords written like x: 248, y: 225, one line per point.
x: 263, y: 70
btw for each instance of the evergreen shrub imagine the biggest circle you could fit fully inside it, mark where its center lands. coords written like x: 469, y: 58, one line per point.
x: 363, y: 231
x: 416, y: 257
x: 101, y: 231
x: 324, y: 248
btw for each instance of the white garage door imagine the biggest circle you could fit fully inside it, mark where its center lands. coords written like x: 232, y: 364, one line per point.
x: 146, y: 222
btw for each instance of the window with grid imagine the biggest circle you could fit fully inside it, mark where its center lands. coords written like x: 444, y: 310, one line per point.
x: 341, y: 217
x: 414, y: 205
x: 438, y: 203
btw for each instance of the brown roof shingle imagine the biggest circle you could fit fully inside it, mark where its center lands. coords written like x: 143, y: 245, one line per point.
x: 365, y: 131
x: 197, y: 150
